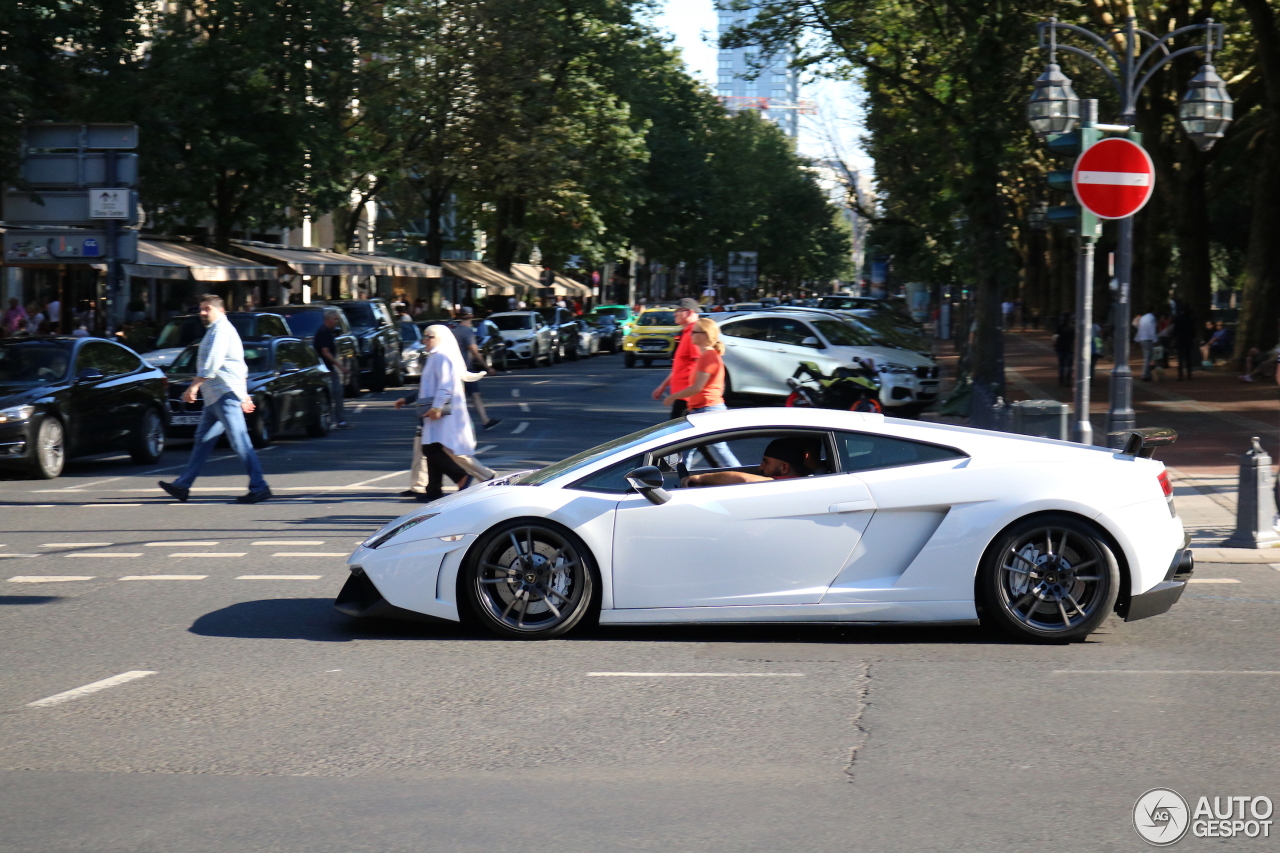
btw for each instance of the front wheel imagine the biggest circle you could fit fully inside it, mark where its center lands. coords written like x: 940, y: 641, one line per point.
x: 378, y: 374
x: 50, y: 452
x: 321, y: 420
x: 149, y: 442
x: 529, y: 580
x: 629, y: 359
x: 1052, y: 578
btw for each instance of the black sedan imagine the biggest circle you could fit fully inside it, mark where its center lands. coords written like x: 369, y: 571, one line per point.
x: 607, y: 329
x: 289, y: 387
x: 62, y: 397
x: 305, y: 320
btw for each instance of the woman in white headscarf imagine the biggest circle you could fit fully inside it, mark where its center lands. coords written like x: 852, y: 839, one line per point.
x: 448, y: 441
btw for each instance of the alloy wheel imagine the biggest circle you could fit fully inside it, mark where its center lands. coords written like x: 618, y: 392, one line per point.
x: 50, y: 449
x: 1053, y: 580
x: 531, y: 581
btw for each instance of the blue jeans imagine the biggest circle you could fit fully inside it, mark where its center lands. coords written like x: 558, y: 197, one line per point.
x: 722, y: 456
x: 224, y: 415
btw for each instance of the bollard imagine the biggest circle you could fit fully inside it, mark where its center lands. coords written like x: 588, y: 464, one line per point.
x: 1256, y: 503
x: 1045, y: 418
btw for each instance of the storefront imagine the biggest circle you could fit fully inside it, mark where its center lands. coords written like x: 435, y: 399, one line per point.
x: 170, y: 275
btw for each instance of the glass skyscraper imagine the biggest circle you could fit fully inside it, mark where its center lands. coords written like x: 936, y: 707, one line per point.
x: 775, y: 89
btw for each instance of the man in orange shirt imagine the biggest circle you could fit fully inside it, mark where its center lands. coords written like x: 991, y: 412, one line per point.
x: 683, y: 359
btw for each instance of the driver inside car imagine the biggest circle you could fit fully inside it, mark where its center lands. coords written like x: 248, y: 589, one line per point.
x: 783, y: 459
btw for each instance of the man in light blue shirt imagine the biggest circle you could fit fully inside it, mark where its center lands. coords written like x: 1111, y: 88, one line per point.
x: 222, y: 383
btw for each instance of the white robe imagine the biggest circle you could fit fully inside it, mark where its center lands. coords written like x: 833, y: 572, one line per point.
x: 442, y: 383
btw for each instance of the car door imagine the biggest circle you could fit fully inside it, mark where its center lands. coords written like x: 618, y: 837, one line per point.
x: 772, y: 542
x: 289, y: 386
x: 748, y: 354
x: 129, y: 390
x: 793, y: 341
x: 96, y: 420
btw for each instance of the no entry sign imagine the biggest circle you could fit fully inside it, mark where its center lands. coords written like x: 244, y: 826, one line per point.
x: 1114, y: 178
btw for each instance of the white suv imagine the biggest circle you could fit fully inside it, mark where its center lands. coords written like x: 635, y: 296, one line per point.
x: 527, y: 335
x: 763, y: 349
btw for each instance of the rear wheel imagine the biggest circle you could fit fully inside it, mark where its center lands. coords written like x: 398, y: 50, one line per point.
x: 321, y: 418
x: 397, y: 375
x: 260, y: 433
x: 529, y: 580
x: 1051, y: 578
x: 352, y: 388
x: 148, y: 444
x: 49, y: 454
x: 378, y: 373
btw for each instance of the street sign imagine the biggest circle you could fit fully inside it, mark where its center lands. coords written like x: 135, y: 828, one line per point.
x: 110, y: 204
x: 62, y: 207
x: 69, y: 170
x: 1114, y: 178
x: 66, y: 246
x: 118, y: 137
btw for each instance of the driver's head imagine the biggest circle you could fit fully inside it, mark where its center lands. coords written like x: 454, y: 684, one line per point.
x: 785, y: 458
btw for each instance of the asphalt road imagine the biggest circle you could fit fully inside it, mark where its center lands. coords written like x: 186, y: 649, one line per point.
x: 269, y: 722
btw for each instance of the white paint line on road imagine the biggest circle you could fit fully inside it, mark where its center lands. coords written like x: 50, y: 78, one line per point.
x: 68, y: 695
x: 360, y: 408
x: 180, y: 544
x: 489, y: 447
x: 695, y: 674
x: 1166, y: 672
x: 10, y: 556
x: 106, y: 555
x: 1212, y: 580
x: 542, y: 382
x: 48, y: 578
x: 87, y: 485
x: 279, y: 577
x: 208, y: 554
x: 77, y: 544
x: 164, y: 577
x: 524, y: 407
x: 515, y: 392
x: 520, y: 427
x: 290, y: 542
x: 376, y: 479
x: 311, y: 554
x: 86, y: 506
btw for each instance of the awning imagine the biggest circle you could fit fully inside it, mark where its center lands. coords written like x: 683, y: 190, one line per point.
x: 388, y: 265
x: 307, y: 261
x: 531, y: 276
x: 485, y: 276
x: 185, y: 261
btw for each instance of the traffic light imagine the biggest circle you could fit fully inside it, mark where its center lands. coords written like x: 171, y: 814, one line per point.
x: 1072, y: 145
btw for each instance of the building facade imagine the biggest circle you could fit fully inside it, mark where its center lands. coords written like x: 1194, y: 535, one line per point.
x: 744, y: 81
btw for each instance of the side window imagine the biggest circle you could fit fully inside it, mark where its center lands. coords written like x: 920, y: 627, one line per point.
x: 121, y: 360
x: 863, y: 452
x: 307, y: 356
x: 756, y: 329
x: 291, y: 351
x: 96, y: 355
x: 791, y: 332
x: 273, y: 327
x: 745, y: 452
x: 612, y: 480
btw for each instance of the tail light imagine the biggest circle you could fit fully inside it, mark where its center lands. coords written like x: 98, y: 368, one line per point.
x: 1167, y: 488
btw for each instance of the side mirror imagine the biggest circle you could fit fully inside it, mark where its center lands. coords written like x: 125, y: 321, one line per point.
x: 90, y: 374
x: 811, y: 341
x: 288, y: 367
x: 648, y: 482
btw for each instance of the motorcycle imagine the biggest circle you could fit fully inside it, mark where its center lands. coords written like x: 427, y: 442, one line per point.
x: 850, y: 389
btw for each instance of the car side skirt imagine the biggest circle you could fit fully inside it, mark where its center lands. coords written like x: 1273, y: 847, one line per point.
x: 898, y: 611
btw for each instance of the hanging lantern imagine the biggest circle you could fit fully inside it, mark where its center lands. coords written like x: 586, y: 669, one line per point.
x: 1206, y: 109
x: 1054, y: 107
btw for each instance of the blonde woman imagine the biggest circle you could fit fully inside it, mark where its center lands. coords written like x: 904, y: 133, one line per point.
x: 706, y: 393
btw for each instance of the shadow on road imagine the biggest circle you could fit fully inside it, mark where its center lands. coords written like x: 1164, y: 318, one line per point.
x: 29, y: 599
x: 314, y: 619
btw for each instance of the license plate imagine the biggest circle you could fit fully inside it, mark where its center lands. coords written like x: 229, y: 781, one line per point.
x: 184, y: 420
x: 656, y: 345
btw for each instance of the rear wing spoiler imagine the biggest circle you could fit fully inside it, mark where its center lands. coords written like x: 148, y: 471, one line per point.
x: 1143, y: 442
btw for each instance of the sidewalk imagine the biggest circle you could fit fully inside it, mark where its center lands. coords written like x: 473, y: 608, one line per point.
x: 1216, y: 416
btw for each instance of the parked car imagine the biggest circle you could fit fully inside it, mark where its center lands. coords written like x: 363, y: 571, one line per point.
x: 526, y: 334
x: 287, y: 381
x: 652, y: 338
x: 607, y: 329
x: 763, y: 349
x: 413, y: 350
x: 305, y: 320
x: 564, y: 332
x: 62, y: 397
x: 378, y: 339
x: 626, y: 316
x: 181, y: 332
x: 588, y: 339
x: 493, y: 349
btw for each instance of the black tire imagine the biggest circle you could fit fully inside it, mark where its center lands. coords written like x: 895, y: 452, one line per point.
x: 647, y: 362
x: 504, y: 363
x: 529, y: 568
x: 534, y: 358
x: 352, y: 388
x: 321, y: 418
x: 397, y: 375
x: 1031, y: 575
x: 557, y: 355
x: 260, y: 433
x: 629, y: 359
x: 49, y: 453
x: 378, y: 373
x: 572, y: 352
x: 148, y: 445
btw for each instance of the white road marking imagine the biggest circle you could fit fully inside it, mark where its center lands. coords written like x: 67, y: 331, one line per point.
x: 132, y: 490
x: 87, y: 485
x: 208, y: 554
x: 376, y: 479
x: 10, y: 556
x: 524, y: 407
x: 515, y: 392
x: 48, y: 578
x: 279, y: 577
x: 164, y: 577
x: 489, y: 447
x: 76, y: 544
x: 311, y: 554
x: 290, y: 542
x: 360, y: 408
x: 695, y: 674
x: 1212, y: 580
x: 180, y: 544
x: 542, y: 382
x: 520, y: 427
x: 108, y: 555
x: 68, y: 695
x: 1166, y: 672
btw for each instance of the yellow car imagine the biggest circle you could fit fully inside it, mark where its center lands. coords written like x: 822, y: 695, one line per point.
x: 652, y: 337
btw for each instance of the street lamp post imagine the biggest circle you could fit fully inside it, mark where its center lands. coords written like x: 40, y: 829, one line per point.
x: 1205, y: 112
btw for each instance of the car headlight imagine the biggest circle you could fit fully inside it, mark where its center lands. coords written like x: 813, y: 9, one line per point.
x: 384, y: 536
x: 13, y: 414
x: 890, y: 367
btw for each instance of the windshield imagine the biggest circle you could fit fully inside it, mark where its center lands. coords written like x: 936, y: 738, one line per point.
x: 595, y: 454
x: 33, y: 362
x: 256, y: 358
x: 180, y: 332
x: 843, y: 334
x: 360, y: 315
x: 305, y: 324
x: 513, y: 322
x: 657, y: 318
x: 600, y: 319
x: 620, y: 313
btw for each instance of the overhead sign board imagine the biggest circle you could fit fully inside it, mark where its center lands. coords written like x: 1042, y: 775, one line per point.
x: 118, y: 137
x: 1114, y: 178
x: 66, y: 246
x: 60, y: 207
x: 68, y: 170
